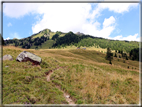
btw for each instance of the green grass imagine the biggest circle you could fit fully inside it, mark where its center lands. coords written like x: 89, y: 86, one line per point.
x: 51, y: 34
x: 48, y: 44
x: 24, y: 83
x: 38, y: 35
x: 42, y: 33
x: 84, y: 74
x: 63, y: 34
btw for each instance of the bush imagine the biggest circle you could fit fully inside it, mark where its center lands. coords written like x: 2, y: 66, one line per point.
x: 36, y: 48
x: 119, y: 56
x: 123, y: 61
x: 126, y: 58
x: 110, y: 62
x: 109, y: 55
x: 79, y: 101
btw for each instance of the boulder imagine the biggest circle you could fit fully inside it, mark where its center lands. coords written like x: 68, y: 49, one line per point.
x: 7, y: 57
x: 27, y: 56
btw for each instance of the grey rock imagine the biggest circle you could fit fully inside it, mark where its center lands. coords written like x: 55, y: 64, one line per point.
x: 84, y: 48
x: 6, y: 66
x: 7, y: 57
x: 27, y: 56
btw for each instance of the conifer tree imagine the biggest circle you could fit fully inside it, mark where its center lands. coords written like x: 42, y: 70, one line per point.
x: 109, y: 55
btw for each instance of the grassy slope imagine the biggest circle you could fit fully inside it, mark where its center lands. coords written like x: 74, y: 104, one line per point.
x: 47, y: 44
x: 63, y: 34
x: 51, y: 34
x: 38, y: 35
x: 43, y: 32
x: 88, y: 48
x: 24, y: 83
x: 87, y: 77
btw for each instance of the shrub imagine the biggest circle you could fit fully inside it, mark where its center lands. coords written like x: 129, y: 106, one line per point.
x: 110, y: 62
x: 119, y: 56
x: 123, y: 61
x: 126, y: 57
x: 109, y: 55
x: 79, y: 101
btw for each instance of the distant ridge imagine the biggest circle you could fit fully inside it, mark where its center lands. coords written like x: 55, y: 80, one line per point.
x: 47, y: 39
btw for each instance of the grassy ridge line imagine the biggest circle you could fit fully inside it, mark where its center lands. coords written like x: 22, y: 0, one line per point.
x: 87, y: 79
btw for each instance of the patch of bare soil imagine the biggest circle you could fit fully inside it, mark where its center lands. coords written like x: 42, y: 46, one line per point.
x: 66, y: 95
x: 48, y: 75
x: 68, y: 98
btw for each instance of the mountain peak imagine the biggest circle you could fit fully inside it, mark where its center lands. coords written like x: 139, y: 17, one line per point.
x: 78, y: 33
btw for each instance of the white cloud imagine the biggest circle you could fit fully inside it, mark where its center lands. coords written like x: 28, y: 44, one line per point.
x: 117, y: 37
x: 17, y: 10
x: 64, y: 17
x: 7, y: 38
x: 67, y: 17
x: 134, y: 37
x: 117, y: 7
x: 108, y: 22
x: 9, y: 24
x: 92, y: 29
x: 15, y: 35
x: 73, y: 17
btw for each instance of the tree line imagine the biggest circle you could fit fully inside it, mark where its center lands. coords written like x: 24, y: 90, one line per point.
x: 27, y: 42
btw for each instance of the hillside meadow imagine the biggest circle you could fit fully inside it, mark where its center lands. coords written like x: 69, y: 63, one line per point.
x: 83, y: 74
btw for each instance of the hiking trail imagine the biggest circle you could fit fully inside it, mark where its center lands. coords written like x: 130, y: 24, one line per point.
x: 66, y: 95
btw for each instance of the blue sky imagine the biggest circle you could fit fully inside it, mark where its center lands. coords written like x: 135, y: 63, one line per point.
x: 118, y: 21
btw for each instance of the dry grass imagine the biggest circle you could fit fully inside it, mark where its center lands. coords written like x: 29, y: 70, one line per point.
x: 87, y: 76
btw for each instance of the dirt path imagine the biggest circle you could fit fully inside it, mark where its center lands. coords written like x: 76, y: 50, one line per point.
x: 48, y: 74
x: 66, y: 95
